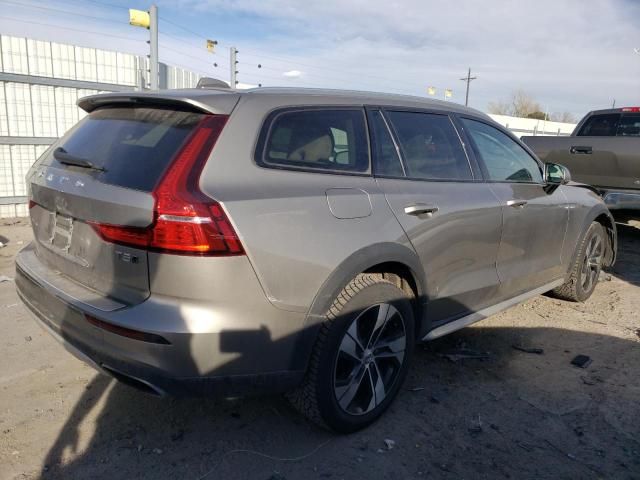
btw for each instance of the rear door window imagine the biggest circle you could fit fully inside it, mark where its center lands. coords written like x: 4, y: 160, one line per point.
x: 629, y: 126
x: 133, y: 145
x: 600, y: 126
x: 322, y: 139
x: 430, y: 146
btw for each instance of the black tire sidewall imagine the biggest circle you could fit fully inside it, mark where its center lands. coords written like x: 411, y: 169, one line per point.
x: 331, y: 412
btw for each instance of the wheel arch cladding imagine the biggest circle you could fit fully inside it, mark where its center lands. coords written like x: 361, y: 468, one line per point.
x: 605, y: 219
x: 399, y: 261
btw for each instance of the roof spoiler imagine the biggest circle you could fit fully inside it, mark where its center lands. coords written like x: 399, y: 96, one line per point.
x: 225, y: 100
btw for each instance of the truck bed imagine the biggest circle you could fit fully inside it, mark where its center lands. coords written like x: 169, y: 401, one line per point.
x: 611, y: 164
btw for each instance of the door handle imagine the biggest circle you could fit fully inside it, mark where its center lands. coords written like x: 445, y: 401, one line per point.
x: 584, y: 150
x: 420, y: 209
x: 516, y: 203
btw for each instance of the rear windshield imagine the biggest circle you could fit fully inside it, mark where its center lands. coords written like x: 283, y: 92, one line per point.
x: 629, y: 126
x: 133, y: 145
x: 600, y: 126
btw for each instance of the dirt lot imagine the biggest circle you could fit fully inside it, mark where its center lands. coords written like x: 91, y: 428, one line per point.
x: 511, y: 415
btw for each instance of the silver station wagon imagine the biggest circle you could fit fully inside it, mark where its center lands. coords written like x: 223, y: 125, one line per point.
x: 217, y: 242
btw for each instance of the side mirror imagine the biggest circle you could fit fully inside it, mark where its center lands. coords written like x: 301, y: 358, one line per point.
x: 555, y: 174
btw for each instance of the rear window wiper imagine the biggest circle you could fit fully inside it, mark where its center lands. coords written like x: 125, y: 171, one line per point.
x: 62, y: 156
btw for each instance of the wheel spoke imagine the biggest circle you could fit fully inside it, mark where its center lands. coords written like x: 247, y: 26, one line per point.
x: 377, y: 384
x: 381, y: 321
x: 353, y: 333
x: 347, y: 393
x: 350, y: 347
x: 395, y: 345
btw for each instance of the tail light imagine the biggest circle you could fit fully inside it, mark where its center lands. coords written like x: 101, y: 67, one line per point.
x: 186, y: 221
x: 631, y: 109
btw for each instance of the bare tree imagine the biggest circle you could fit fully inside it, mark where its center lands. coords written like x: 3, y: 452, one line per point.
x: 519, y: 104
x: 564, y: 117
x: 499, y: 108
x: 523, y: 104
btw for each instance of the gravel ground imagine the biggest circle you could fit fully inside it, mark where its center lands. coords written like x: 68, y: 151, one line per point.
x: 510, y: 415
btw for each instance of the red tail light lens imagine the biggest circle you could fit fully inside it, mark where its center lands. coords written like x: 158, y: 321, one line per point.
x: 186, y: 220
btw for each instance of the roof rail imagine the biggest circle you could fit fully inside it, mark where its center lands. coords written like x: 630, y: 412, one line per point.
x: 208, y: 82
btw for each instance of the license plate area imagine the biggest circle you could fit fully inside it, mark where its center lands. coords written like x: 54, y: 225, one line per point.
x: 62, y: 231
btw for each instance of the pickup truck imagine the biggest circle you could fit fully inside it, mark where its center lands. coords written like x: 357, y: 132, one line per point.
x: 603, y: 151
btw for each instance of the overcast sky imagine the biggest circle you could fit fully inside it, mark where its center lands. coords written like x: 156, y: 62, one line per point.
x: 571, y: 55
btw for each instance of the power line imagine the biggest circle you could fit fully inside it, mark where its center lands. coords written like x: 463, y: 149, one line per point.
x: 293, y: 63
x: 131, y: 39
x: 39, y: 7
x: 344, y: 74
x: 104, y: 4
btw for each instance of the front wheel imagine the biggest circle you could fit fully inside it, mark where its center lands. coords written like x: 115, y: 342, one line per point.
x: 361, y: 356
x: 587, y: 265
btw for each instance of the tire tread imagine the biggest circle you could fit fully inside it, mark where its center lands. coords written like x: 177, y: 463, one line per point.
x: 305, y: 397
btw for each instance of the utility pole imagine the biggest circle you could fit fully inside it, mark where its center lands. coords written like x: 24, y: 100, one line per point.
x: 153, y: 47
x: 148, y: 20
x: 234, y: 67
x: 467, y: 79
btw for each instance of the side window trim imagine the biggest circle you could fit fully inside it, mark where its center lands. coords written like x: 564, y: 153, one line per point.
x: 394, y: 136
x: 266, y: 128
x: 480, y: 160
x: 370, y: 110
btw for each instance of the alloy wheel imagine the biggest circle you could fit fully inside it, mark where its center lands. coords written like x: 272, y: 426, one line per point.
x: 592, y: 263
x: 370, y: 359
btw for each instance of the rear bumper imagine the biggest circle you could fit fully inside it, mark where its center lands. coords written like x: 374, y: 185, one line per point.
x: 212, y: 357
x: 622, y: 199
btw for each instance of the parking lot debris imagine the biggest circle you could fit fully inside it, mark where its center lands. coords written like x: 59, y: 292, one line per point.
x: 415, y: 389
x: 389, y: 443
x: 4, y: 278
x: 582, y: 361
x: 2, y: 245
x: 476, y: 426
x: 28, y: 338
x: 537, y: 351
x: 604, y: 277
x: 462, y: 354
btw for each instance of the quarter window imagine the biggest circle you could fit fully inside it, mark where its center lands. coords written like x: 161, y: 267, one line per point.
x: 505, y: 160
x: 322, y: 139
x: 430, y: 146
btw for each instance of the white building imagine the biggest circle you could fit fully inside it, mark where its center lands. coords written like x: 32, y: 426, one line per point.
x: 40, y: 83
x: 530, y: 126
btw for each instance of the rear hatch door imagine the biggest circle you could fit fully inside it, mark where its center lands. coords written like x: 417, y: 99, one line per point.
x: 104, y: 171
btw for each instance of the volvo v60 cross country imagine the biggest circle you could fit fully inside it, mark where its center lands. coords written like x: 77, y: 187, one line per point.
x: 211, y: 241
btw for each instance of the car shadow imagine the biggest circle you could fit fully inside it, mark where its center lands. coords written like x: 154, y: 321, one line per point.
x: 505, y: 413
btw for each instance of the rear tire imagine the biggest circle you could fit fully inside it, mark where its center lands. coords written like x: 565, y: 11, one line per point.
x: 361, y: 356
x: 586, y: 267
